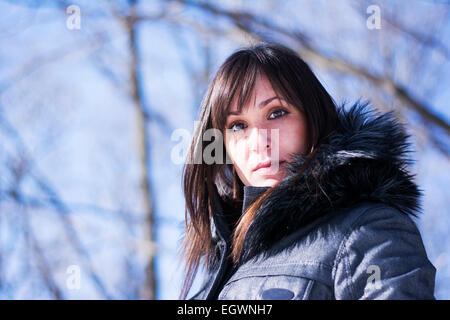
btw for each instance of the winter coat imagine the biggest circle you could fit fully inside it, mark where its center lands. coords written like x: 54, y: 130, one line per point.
x: 345, y: 230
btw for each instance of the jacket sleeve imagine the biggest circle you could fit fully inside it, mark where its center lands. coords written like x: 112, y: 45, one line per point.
x: 383, y: 257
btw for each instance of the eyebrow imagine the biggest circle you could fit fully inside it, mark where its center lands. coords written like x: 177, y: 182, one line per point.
x: 261, y: 105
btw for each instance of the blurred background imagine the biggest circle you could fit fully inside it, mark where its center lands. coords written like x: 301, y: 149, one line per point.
x: 93, y: 92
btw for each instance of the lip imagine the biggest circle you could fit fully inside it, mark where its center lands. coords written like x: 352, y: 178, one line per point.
x: 266, y: 164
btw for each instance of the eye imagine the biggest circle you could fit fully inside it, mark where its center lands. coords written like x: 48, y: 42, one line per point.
x: 278, y: 113
x: 236, y: 126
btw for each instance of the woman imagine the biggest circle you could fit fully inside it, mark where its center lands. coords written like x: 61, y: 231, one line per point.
x: 309, y: 201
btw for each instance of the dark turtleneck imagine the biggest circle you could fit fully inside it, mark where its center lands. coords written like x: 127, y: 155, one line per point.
x: 232, y: 211
x: 251, y: 194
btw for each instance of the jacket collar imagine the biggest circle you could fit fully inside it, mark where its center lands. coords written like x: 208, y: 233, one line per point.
x: 227, y: 213
x: 365, y: 159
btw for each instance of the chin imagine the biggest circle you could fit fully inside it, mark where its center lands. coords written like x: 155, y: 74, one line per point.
x: 267, y: 182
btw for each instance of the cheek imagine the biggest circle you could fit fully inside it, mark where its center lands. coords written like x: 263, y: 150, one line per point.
x: 293, y: 139
x: 239, y: 160
x: 236, y: 152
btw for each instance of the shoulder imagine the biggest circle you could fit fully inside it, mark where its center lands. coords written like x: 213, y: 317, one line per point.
x: 332, y: 230
x: 365, y: 219
x: 380, y: 238
x: 375, y: 214
x: 372, y: 226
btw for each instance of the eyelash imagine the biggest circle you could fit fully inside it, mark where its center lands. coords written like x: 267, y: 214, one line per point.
x: 277, y: 110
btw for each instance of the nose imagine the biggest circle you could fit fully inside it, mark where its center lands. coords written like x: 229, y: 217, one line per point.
x: 259, y: 141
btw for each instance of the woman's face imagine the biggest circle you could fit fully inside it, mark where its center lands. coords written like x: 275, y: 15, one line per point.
x: 260, y: 140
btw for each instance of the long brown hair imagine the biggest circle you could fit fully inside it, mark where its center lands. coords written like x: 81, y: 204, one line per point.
x: 292, y: 79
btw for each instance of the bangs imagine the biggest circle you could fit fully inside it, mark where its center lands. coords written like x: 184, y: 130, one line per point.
x: 234, y: 82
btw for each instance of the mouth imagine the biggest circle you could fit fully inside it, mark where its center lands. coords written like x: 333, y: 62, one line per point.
x: 267, y: 164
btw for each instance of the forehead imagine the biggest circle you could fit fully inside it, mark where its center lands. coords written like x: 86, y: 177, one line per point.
x: 260, y: 95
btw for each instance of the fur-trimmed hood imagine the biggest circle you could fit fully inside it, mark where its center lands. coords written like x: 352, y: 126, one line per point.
x: 366, y: 159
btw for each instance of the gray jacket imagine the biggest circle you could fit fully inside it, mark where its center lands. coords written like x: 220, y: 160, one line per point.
x: 344, y: 230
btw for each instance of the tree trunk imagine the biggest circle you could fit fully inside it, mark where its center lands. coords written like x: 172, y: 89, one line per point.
x: 148, y: 290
